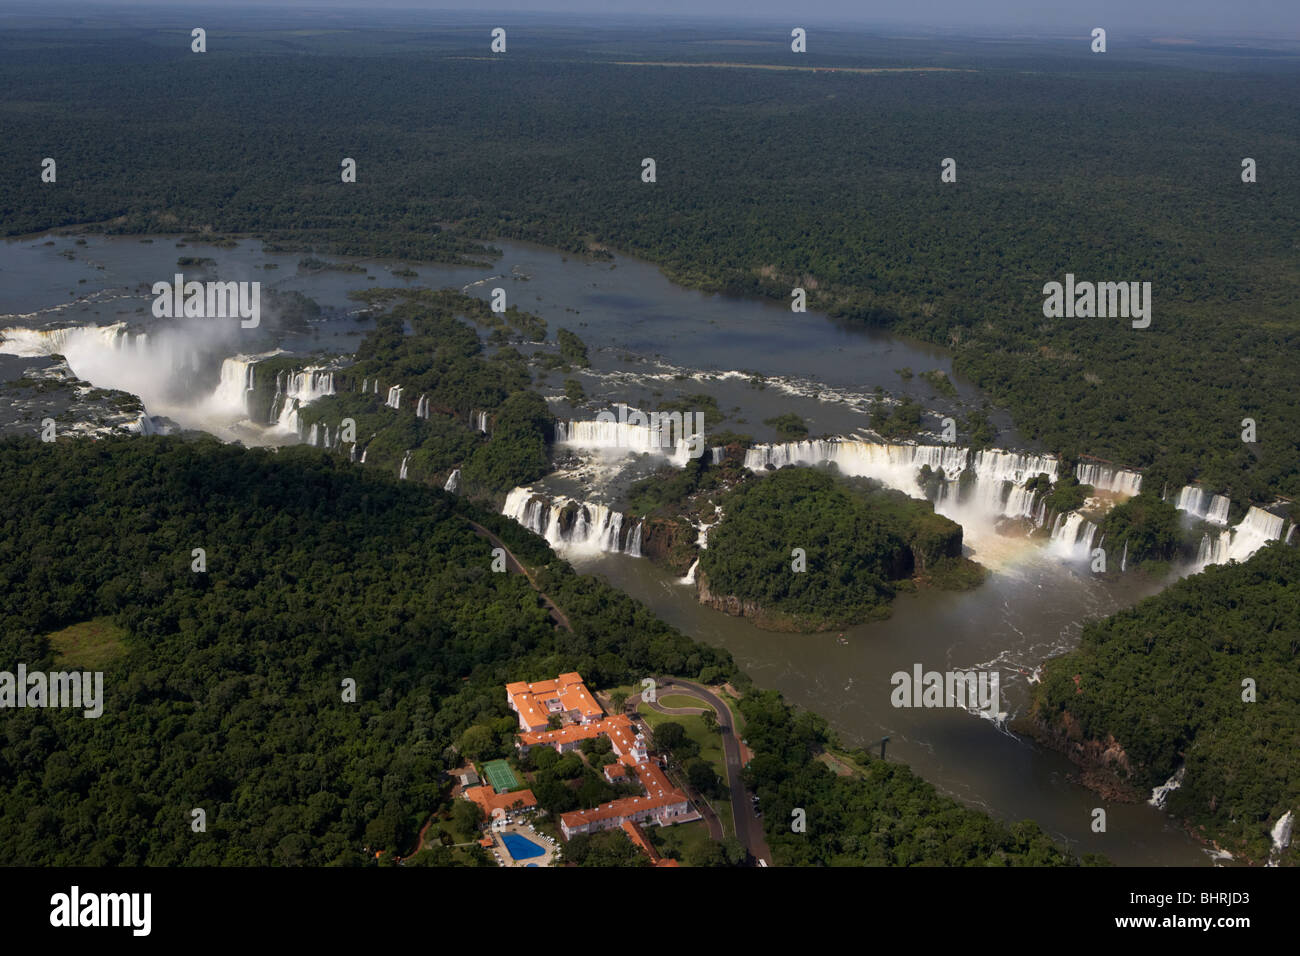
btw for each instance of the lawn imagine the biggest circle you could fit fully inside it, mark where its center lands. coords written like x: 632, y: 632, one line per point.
x: 677, y: 840
x: 681, y: 700
x: 710, y: 750
x: 90, y: 645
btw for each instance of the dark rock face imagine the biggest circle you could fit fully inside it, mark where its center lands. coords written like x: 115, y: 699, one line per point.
x: 669, y: 543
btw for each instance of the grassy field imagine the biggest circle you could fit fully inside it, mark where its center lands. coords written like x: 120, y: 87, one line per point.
x: 681, y: 700
x: 676, y: 841
x: 91, y: 645
x: 710, y: 750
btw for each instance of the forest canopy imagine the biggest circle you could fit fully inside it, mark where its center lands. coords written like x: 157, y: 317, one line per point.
x: 1168, y: 680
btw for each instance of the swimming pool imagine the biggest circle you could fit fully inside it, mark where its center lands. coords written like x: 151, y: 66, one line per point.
x: 520, y: 847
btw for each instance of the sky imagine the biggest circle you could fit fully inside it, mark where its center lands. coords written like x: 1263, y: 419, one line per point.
x: 1278, y: 18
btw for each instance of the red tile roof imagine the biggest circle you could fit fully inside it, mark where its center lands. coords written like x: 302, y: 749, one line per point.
x: 490, y: 800
x: 568, y: 692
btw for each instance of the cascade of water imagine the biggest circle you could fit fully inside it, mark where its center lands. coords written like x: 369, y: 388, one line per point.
x: 276, y: 399
x: 1202, y: 504
x: 1281, y: 833
x: 394, y: 397
x: 1161, y: 793
x: 235, y: 387
x: 453, y: 481
x: 994, y: 488
x: 1072, y: 536
x: 295, y: 390
x: 1109, y: 478
x: 1237, y: 544
x: 666, y: 437
x: 690, y: 573
x: 405, y: 460
x: 574, y: 525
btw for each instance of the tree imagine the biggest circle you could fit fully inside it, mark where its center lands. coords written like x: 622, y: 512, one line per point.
x: 701, y: 775
x: 466, y: 816
x: 704, y: 854
x: 734, y: 851
x: 668, y: 735
x: 479, y: 743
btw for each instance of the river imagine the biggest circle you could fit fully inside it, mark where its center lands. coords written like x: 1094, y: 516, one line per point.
x: 651, y: 340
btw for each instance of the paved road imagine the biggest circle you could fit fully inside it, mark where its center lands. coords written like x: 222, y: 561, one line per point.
x: 749, y: 829
x: 514, y: 564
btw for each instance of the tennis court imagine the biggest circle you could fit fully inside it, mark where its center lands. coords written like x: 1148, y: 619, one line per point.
x: 500, y: 777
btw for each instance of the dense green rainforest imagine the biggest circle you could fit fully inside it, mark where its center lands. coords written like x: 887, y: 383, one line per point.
x: 1169, y: 680
x: 1109, y: 168
x: 225, y: 691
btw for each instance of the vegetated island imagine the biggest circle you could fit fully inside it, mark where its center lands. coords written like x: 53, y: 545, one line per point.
x: 805, y: 550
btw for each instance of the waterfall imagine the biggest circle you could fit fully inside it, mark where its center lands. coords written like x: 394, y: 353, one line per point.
x: 1109, y: 478
x: 895, y: 465
x: 143, y: 425
x: 995, y: 489
x: 1281, y: 835
x: 1161, y: 793
x: 575, y: 525
x: 1072, y: 536
x: 1202, y: 504
x: 394, y: 397
x: 671, y: 437
x: 311, y: 436
x: 453, y: 481
x: 352, y: 455
x: 1123, y: 561
x: 690, y: 573
x: 293, y: 390
x: 156, y: 369
x: 376, y: 386
x: 1040, y: 514
x: 405, y: 460
x: 479, y: 421
x: 277, y: 400
x: 363, y: 454
x: 1239, y: 543
x: 422, y: 407
x: 236, y: 386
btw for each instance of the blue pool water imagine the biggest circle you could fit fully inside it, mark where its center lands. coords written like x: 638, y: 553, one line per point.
x: 521, y: 848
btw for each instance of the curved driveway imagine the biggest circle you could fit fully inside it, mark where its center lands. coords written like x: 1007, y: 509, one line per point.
x: 749, y: 829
